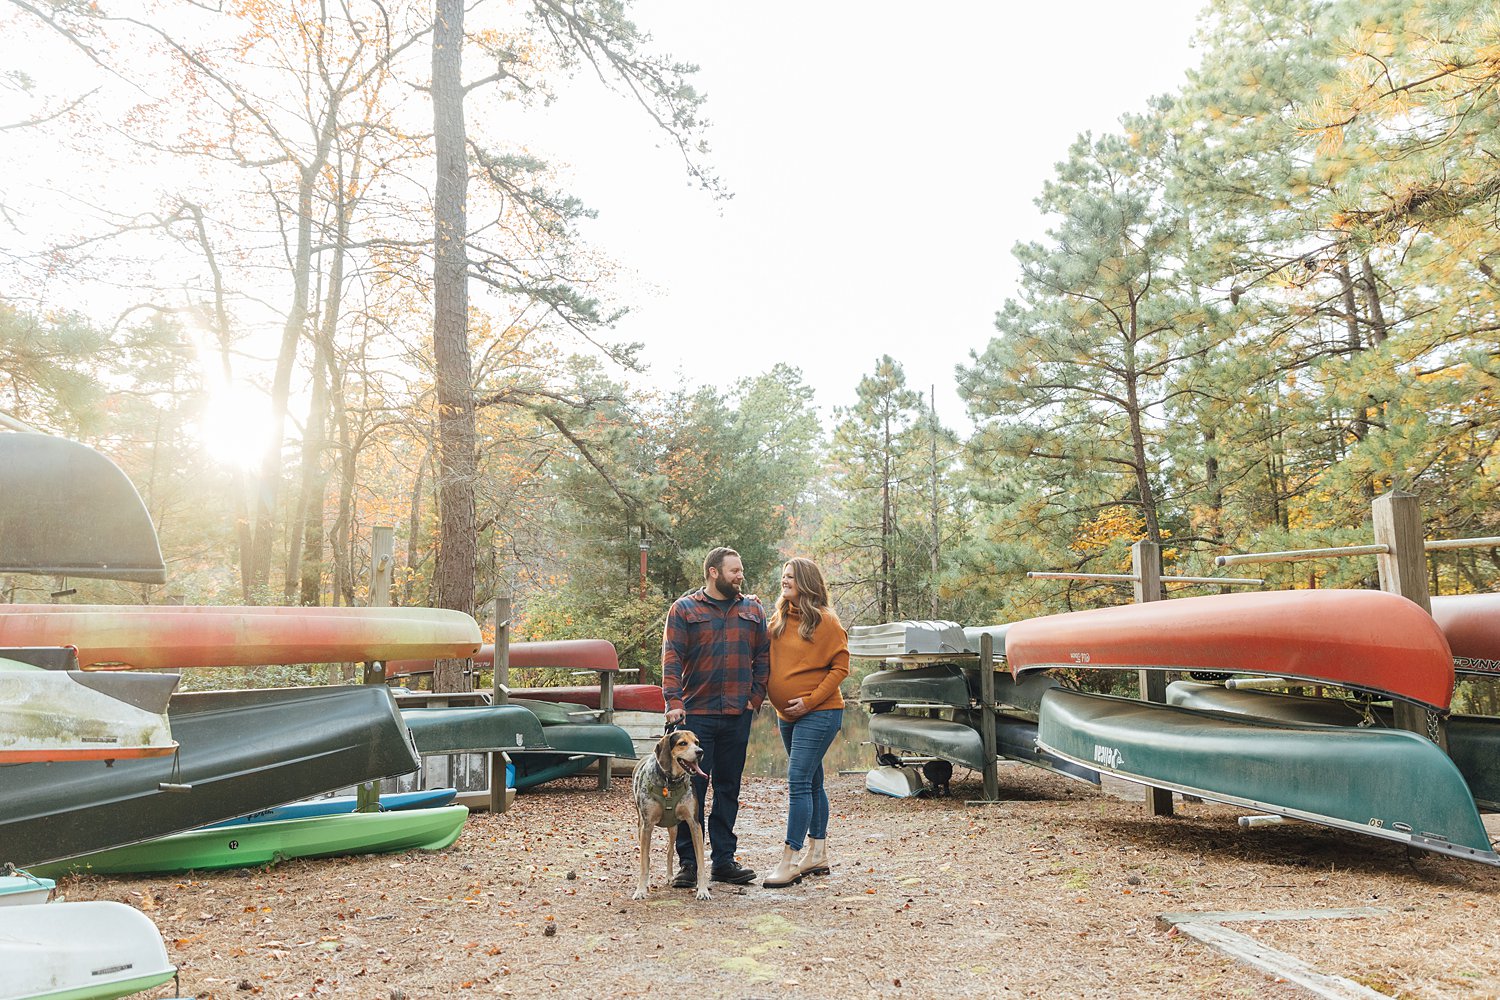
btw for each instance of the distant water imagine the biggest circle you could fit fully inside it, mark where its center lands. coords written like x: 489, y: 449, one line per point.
x: 767, y: 757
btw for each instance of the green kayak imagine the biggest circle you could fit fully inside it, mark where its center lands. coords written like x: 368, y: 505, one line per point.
x: 1381, y: 782
x: 276, y: 840
x: 473, y: 729
x: 574, y: 747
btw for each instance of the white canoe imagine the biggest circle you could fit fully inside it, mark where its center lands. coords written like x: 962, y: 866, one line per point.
x: 79, y: 951
x: 58, y: 715
x: 23, y: 889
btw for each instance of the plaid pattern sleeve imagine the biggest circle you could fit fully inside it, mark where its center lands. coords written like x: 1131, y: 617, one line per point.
x: 714, y: 661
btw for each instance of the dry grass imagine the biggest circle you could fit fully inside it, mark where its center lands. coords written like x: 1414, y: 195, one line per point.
x: 1054, y: 892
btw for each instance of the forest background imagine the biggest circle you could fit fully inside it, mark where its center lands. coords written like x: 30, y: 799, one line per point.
x: 1263, y: 300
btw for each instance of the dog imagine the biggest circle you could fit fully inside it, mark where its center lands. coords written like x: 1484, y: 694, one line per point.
x: 664, y: 797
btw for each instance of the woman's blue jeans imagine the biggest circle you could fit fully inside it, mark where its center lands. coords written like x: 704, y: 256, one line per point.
x: 806, y: 741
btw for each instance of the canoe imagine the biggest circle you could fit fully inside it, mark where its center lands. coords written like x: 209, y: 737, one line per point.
x: 241, y: 751
x: 276, y: 840
x: 1473, y: 740
x: 335, y: 805
x: 66, y: 715
x: 907, y: 638
x: 554, y: 713
x: 914, y: 734
x: 22, y: 889
x: 1360, y: 639
x: 626, y: 697
x: 473, y: 729
x: 95, y: 950
x: 166, y: 638
x: 575, y: 747
x: 1015, y: 739
x: 1471, y: 624
x: 66, y: 510
x: 1380, y: 782
x: 951, y: 685
x: 575, y: 654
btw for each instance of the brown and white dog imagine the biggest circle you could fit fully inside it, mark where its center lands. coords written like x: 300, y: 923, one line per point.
x: 664, y: 797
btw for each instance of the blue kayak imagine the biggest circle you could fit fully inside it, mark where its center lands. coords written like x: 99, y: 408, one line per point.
x: 389, y: 802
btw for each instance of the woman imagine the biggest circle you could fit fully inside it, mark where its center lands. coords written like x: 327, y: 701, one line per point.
x: 809, y: 659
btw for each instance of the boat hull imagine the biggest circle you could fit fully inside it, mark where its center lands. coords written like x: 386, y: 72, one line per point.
x: 950, y: 741
x: 95, y: 950
x: 241, y: 751
x: 574, y: 748
x: 169, y: 638
x: 571, y: 654
x: 625, y: 697
x: 1385, y: 783
x: 473, y: 729
x: 1359, y: 639
x: 951, y: 685
x: 337, y: 805
x: 277, y: 840
x: 1471, y: 624
x: 63, y: 715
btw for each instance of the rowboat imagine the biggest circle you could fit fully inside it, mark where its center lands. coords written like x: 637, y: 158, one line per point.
x: 1384, y: 783
x: 64, y: 715
x: 1471, y: 623
x: 1360, y: 639
x: 575, y: 654
x: 574, y: 748
x: 275, y: 841
x: 334, y: 805
x: 24, y: 888
x: 1473, y: 740
x: 110, y: 637
x: 240, y: 751
x: 94, y: 950
x: 66, y: 510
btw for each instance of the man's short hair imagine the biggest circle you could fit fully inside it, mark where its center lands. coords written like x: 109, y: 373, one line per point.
x: 716, y: 559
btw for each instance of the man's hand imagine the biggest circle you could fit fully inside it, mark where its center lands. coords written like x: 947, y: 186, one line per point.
x: 796, y: 708
x: 675, y: 715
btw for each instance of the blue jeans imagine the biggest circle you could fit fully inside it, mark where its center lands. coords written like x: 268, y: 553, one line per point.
x: 724, y: 739
x: 806, y: 741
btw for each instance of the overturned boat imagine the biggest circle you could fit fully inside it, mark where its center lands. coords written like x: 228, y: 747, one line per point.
x: 63, y: 715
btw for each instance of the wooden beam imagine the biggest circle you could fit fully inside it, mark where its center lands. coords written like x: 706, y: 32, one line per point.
x: 500, y: 796
x: 1145, y: 564
x: 987, y: 715
x: 1397, y: 517
x: 382, y: 571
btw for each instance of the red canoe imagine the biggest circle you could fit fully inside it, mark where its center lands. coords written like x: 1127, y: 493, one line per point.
x: 577, y: 654
x: 128, y: 637
x: 1471, y: 623
x: 1361, y: 639
x: 627, y: 697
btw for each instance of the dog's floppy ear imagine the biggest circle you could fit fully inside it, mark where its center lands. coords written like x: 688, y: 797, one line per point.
x: 664, y: 754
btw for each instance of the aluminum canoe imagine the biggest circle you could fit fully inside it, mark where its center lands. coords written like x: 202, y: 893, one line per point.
x: 69, y: 715
x: 1384, y: 783
x: 127, y: 637
x: 241, y: 751
x: 95, y: 950
x: 1360, y: 639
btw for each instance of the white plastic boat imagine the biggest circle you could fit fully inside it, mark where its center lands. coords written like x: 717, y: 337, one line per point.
x: 22, y: 889
x: 62, y: 715
x: 79, y: 951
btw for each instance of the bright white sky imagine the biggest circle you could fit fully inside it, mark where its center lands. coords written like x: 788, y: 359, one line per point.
x: 883, y: 158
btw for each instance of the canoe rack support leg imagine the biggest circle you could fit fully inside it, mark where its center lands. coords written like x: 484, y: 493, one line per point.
x: 987, y: 715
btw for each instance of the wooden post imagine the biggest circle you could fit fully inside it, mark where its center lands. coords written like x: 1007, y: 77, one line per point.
x: 1397, y: 518
x: 382, y: 568
x: 500, y: 796
x: 607, y: 710
x: 987, y: 716
x: 1145, y: 559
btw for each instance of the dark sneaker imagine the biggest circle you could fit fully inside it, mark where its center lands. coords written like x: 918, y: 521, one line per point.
x: 687, y: 878
x: 733, y: 873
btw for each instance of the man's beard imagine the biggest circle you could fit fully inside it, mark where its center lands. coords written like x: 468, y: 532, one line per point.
x: 729, y: 590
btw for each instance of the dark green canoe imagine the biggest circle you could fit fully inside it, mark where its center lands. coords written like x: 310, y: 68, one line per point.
x: 951, y: 685
x: 556, y: 713
x: 1473, y: 740
x: 923, y: 737
x: 1015, y: 739
x: 276, y: 840
x: 1385, y: 783
x: 474, y: 729
x: 240, y: 751
x: 574, y: 747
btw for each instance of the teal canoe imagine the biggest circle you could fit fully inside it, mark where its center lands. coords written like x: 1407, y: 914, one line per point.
x: 474, y: 729
x: 277, y: 840
x: 1380, y: 782
x: 1473, y: 740
x: 574, y: 747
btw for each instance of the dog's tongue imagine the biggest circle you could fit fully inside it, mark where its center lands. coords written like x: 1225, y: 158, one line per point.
x: 693, y: 767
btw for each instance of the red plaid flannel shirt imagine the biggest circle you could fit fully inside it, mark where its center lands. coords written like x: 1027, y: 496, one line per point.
x: 713, y: 661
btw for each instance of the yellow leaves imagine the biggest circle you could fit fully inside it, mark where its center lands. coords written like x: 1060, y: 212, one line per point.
x: 1111, y: 525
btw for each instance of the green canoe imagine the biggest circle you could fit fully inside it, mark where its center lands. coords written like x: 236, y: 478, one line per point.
x: 556, y: 713
x: 473, y: 729
x: 574, y: 747
x: 914, y: 734
x: 277, y: 840
x: 1473, y: 740
x: 1381, y: 782
x: 948, y: 684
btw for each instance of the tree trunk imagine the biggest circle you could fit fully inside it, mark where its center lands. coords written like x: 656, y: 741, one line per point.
x: 454, y: 576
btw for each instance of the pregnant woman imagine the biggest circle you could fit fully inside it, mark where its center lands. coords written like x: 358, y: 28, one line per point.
x: 809, y: 659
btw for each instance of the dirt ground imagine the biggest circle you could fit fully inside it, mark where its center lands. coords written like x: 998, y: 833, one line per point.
x: 1054, y: 892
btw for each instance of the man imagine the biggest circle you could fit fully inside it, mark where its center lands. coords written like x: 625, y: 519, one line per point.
x: 715, y: 661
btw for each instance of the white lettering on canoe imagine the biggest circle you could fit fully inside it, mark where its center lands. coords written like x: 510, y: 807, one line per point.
x: 1079, y: 657
x: 1108, y: 756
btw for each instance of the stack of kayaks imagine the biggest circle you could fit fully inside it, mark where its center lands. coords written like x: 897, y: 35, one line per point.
x: 931, y: 710
x: 1287, y: 759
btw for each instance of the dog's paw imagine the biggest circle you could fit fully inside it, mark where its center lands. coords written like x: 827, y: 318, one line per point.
x: 638, y: 894
x: 703, y: 892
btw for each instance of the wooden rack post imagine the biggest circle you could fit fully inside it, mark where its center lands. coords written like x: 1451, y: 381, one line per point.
x: 987, y: 716
x: 382, y: 572
x: 500, y: 796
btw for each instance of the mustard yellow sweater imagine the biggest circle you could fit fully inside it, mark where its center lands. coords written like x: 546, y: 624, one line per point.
x: 809, y: 669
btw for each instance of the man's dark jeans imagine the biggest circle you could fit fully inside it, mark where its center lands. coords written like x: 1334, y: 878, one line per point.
x: 724, y: 739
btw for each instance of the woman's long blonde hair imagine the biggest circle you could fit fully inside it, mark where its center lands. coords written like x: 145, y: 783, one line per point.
x: 812, y: 599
